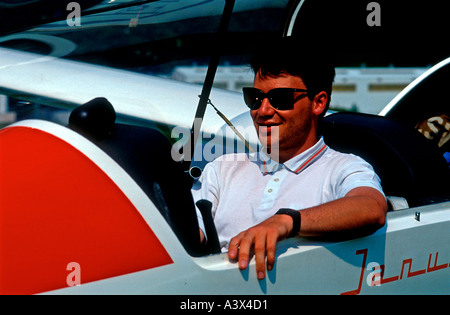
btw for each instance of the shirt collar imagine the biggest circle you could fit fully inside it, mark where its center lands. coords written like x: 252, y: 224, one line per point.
x: 267, y: 165
x: 298, y: 163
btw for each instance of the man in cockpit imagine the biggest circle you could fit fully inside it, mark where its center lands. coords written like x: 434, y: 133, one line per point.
x: 296, y: 185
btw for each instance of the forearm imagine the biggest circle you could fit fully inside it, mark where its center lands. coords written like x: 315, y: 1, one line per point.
x: 362, y: 209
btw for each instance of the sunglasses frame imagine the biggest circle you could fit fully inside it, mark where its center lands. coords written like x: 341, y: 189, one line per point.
x: 257, y: 102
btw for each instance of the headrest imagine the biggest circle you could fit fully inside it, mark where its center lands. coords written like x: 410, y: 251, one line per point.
x: 95, y: 119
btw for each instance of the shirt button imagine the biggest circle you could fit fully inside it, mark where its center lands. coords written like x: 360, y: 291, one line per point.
x: 270, y: 190
x: 276, y: 180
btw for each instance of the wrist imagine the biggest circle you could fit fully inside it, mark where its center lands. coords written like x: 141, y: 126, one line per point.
x: 296, y: 219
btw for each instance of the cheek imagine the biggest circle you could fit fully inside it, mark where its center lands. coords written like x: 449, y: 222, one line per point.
x: 297, y: 127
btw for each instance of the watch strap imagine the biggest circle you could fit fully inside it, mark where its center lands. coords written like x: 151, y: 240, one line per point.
x: 296, y: 218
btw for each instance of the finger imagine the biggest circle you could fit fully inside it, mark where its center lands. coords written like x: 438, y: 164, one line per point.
x: 271, y: 243
x: 244, y: 250
x: 233, y: 248
x: 260, y: 256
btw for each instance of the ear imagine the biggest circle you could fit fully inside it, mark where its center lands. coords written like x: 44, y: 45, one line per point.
x: 320, y: 103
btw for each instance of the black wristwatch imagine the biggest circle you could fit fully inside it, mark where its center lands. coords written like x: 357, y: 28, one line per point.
x: 296, y: 218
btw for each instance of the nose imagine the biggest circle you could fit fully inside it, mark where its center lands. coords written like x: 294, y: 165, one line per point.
x: 266, y: 108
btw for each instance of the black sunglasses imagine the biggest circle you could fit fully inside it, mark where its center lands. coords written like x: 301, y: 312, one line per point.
x: 280, y: 98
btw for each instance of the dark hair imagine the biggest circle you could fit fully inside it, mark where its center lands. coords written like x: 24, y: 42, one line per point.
x: 294, y: 56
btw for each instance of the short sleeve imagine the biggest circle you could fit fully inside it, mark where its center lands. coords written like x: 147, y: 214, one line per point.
x: 356, y: 172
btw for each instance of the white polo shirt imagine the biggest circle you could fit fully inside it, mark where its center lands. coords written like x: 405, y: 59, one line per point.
x: 246, y: 189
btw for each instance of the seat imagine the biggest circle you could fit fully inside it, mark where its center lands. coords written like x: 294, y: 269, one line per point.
x: 408, y: 165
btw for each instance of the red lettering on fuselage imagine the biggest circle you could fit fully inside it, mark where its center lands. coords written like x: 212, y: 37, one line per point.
x: 381, y: 268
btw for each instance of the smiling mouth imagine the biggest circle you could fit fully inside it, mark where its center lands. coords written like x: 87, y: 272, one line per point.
x: 268, y: 126
x: 266, y: 130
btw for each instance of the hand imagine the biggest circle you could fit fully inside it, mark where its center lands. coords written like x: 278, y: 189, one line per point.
x: 263, y: 238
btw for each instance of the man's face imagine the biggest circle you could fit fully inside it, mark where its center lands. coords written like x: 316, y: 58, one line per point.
x: 291, y: 131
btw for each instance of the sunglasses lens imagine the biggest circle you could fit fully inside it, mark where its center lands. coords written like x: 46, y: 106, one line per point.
x: 253, y: 98
x: 282, y: 99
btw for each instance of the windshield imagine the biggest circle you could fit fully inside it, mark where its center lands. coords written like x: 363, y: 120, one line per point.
x: 152, y: 37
